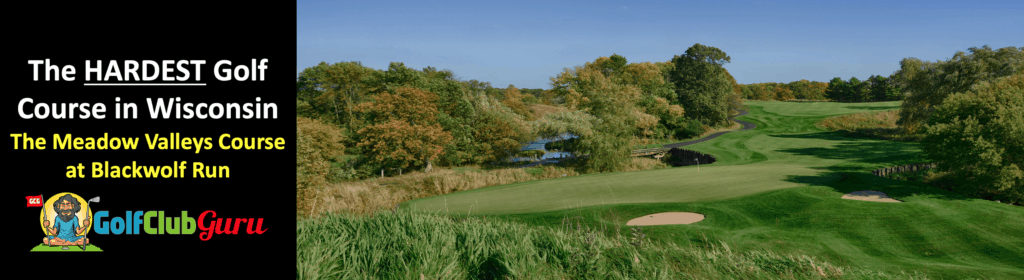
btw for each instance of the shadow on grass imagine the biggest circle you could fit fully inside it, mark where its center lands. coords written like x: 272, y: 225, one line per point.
x: 874, y: 152
x: 849, y: 179
x: 893, y: 134
x: 862, y: 157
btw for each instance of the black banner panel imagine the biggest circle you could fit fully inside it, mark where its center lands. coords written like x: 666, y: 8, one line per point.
x: 151, y: 141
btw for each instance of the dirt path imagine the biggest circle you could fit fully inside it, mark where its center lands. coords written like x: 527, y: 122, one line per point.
x: 746, y: 126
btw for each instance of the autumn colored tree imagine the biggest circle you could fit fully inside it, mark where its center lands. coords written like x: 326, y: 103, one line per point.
x: 760, y: 91
x: 782, y: 92
x: 802, y: 89
x: 648, y: 78
x: 454, y: 112
x: 402, y: 128
x: 548, y: 97
x: 317, y: 144
x: 513, y: 99
x: 816, y: 90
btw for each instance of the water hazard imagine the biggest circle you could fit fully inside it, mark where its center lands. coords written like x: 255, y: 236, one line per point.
x: 539, y: 145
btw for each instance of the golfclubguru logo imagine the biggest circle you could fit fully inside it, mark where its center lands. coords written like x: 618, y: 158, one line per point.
x: 65, y: 219
x: 156, y: 222
x: 65, y: 222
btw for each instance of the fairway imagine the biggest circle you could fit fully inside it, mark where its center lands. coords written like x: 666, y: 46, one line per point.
x: 779, y: 187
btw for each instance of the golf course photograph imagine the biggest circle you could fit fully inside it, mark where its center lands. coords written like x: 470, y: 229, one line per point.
x: 655, y: 141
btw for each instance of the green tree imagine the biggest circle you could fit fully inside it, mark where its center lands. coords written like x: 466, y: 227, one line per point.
x: 735, y: 98
x: 329, y: 92
x: 927, y: 84
x: 609, y: 106
x: 701, y: 84
x: 859, y: 91
x: 499, y: 131
x: 455, y: 115
x: 978, y: 137
x: 883, y: 89
x: 838, y: 90
x: 801, y: 89
x: 612, y: 65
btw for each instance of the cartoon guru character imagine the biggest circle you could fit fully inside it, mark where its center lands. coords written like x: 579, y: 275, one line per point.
x: 66, y: 230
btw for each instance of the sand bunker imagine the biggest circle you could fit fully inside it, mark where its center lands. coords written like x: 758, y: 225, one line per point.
x: 667, y: 218
x: 875, y: 196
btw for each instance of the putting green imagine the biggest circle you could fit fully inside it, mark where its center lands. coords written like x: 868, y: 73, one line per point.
x: 664, y: 185
x: 44, y: 248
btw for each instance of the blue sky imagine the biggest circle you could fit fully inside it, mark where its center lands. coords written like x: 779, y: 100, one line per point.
x: 526, y: 42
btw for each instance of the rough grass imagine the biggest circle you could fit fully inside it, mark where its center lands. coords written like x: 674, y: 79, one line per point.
x: 405, y: 245
x: 880, y: 125
x: 386, y: 193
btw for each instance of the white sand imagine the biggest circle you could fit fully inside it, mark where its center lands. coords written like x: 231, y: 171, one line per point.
x: 667, y: 218
x: 875, y: 196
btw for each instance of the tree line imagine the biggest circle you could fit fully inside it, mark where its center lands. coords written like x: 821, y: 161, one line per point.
x: 359, y: 120
x: 970, y: 110
x: 403, y: 118
x: 875, y: 88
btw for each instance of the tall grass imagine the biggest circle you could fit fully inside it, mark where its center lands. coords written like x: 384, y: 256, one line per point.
x: 405, y: 245
x: 386, y: 193
x: 873, y: 124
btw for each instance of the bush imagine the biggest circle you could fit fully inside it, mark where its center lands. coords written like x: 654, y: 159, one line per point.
x: 562, y: 145
x: 691, y: 128
x: 531, y: 153
x: 978, y: 137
